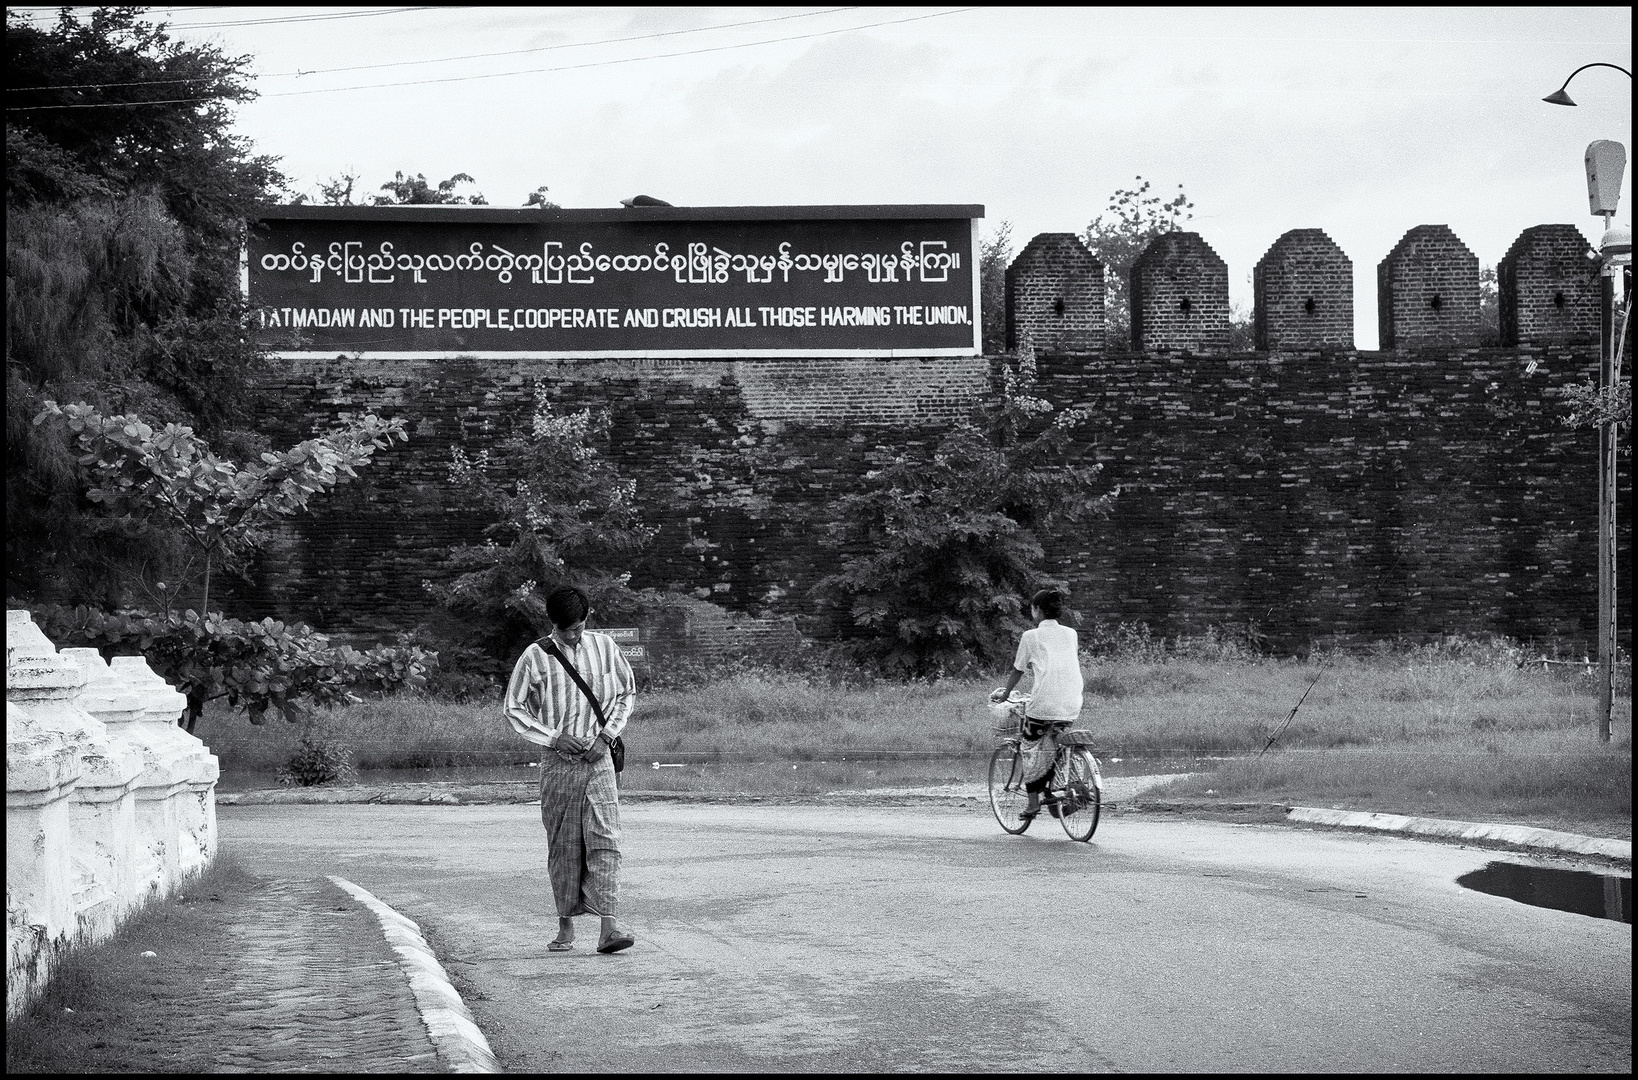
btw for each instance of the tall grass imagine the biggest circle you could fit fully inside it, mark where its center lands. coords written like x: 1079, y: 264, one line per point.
x: 1459, y: 718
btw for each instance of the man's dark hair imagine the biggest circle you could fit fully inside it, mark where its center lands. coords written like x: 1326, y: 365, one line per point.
x: 566, y: 605
x: 1050, y: 601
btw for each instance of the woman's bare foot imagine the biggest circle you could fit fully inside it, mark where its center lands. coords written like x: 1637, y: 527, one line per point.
x: 565, y: 936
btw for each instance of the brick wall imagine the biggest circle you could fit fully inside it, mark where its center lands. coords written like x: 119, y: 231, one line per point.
x: 1179, y: 296
x: 1339, y: 495
x: 1427, y: 292
x: 1318, y: 494
x: 1548, y: 282
x: 704, y: 439
x: 1303, y: 294
x: 1055, y: 295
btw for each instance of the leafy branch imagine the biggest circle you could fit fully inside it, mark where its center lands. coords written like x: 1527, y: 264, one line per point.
x: 171, y: 477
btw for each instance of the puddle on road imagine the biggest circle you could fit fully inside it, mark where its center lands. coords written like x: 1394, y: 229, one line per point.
x: 1603, y: 896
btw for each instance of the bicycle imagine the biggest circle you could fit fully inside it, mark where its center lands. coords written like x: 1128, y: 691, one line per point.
x: 1075, y: 793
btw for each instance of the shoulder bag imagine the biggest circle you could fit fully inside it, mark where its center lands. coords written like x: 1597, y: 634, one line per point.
x: 617, y: 745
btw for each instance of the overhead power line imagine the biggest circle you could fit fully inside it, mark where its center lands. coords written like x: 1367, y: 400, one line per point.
x: 284, y: 19
x: 447, y: 59
x: 506, y: 74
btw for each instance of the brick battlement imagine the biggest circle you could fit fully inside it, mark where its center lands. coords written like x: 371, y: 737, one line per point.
x: 1055, y: 296
x: 1548, y: 282
x: 1427, y: 292
x: 1303, y: 294
x: 1179, y: 296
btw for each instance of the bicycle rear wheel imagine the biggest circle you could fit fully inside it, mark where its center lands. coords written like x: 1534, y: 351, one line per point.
x: 1007, y: 795
x: 1081, y: 802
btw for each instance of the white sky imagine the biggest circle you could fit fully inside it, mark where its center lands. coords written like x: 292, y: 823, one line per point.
x: 1361, y: 121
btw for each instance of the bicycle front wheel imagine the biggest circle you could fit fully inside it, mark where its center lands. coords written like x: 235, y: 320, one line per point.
x: 1007, y: 795
x: 1081, y: 802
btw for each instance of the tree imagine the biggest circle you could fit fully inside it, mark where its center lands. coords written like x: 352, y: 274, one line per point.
x: 560, y: 514
x: 939, y: 550
x: 168, y: 128
x: 538, y: 197
x: 122, y: 272
x: 1489, y: 308
x: 414, y: 190
x: 1242, y: 328
x: 1118, y: 236
x: 338, y: 190
x: 169, y: 480
x: 994, y: 256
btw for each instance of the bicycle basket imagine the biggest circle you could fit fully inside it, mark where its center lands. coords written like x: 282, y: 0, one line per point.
x: 1006, y: 720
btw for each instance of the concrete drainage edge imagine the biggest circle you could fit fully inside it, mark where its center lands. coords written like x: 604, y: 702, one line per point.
x: 1521, y: 835
x: 449, y: 1022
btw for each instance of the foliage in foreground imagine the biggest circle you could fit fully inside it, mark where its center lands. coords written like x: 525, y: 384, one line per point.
x: 256, y: 666
x: 170, y: 482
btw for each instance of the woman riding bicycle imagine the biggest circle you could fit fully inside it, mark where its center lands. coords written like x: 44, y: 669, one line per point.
x: 1050, y: 654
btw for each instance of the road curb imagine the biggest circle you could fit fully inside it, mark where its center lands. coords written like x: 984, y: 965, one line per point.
x: 1520, y: 835
x: 448, y: 1021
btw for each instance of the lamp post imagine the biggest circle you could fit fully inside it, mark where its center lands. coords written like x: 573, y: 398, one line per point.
x: 1606, y: 162
x: 1559, y: 97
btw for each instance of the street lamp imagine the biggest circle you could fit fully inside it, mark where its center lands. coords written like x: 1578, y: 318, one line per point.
x: 1559, y: 97
x: 1606, y: 162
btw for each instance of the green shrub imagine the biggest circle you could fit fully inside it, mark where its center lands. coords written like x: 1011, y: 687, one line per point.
x: 940, y: 550
x: 318, y: 760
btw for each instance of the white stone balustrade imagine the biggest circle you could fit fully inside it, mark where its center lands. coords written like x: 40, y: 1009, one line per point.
x: 108, y: 802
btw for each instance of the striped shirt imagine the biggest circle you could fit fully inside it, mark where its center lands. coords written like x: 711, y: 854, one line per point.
x: 543, y: 701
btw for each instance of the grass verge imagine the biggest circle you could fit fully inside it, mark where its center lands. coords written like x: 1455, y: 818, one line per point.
x: 107, y: 1008
x: 1487, y: 735
x: 1553, y: 780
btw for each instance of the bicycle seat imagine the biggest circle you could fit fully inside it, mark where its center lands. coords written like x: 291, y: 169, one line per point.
x: 1075, y: 737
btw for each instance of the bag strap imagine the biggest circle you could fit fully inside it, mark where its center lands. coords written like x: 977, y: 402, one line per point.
x: 549, y: 646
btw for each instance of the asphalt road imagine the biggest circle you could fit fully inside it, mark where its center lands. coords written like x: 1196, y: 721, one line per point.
x: 804, y: 938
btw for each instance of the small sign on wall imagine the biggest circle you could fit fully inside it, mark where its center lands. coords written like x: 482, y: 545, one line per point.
x: 627, y: 637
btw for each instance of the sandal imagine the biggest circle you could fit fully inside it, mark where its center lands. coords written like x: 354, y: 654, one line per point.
x: 559, y: 946
x: 617, y: 941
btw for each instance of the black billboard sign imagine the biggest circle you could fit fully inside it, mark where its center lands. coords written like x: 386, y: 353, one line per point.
x: 391, y: 282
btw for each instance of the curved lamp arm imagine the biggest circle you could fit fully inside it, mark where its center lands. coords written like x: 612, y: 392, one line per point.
x: 1559, y: 97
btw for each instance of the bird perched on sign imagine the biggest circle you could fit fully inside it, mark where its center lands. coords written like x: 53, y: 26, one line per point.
x: 643, y: 200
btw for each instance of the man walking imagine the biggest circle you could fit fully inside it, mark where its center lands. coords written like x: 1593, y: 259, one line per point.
x: 579, y: 803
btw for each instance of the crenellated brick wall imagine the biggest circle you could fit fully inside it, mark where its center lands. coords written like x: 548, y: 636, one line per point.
x: 1303, y: 294
x: 1318, y: 491
x: 1055, y: 295
x: 1548, y: 284
x: 1427, y: 292
x: 1179, y: 296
